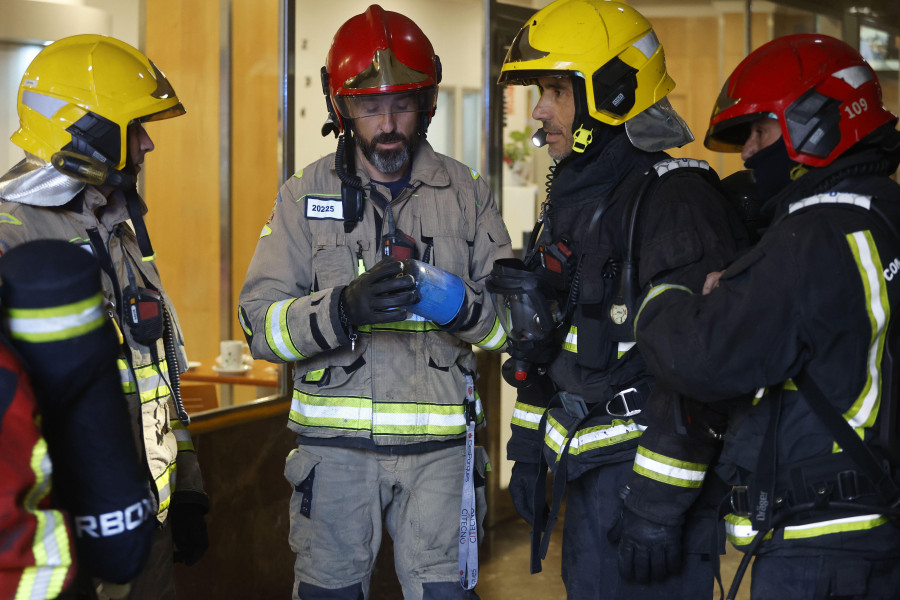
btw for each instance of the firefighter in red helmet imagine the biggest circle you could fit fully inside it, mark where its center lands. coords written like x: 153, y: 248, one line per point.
x: 805, y: 320
x: 369, y: 278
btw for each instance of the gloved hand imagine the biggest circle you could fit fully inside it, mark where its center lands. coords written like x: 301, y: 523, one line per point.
x: 521, y: 487
x: 647, y: 550
x: 442, y: 293
x: 379, y: 295
x: 189, y: 531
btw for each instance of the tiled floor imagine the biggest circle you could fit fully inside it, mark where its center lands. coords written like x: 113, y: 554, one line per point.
x: 505, y: 574
x: 504, y: 570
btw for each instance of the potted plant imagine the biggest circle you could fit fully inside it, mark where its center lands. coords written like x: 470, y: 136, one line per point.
x: 517, y: 154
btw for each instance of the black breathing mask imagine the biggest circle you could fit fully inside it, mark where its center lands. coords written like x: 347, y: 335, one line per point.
x: 530, y: 314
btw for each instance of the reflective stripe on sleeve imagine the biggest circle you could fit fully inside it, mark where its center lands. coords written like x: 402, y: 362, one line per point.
x: 668, y: 470
x: 865, y: 408
x: 527, y: 415
x: 57, y: 323
x: 164, y: 484
x: 182, y: 436
x: 278, y: 336
x: 495, y: 339
x: 590, y: 438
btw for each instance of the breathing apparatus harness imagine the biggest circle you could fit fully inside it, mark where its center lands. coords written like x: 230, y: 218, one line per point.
x: 558, y: 265
x: 877, y: 475
x: 140, y: 307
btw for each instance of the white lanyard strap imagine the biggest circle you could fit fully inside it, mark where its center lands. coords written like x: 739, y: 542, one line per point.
x: 468, y: 520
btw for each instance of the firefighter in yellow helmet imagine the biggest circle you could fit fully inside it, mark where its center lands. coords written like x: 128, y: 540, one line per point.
x: 619, y: 214
x: 82, y: 105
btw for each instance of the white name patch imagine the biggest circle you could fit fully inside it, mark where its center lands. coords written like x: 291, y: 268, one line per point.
x: 324, y: 208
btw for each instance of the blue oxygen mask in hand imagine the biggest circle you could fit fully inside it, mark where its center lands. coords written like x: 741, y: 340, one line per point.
x: 442, y: 294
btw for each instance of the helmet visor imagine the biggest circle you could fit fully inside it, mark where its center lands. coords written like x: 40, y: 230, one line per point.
x: 174, y: 111
x: 373, y: 105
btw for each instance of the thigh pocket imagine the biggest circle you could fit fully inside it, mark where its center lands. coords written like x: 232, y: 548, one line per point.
x: 300, y: 471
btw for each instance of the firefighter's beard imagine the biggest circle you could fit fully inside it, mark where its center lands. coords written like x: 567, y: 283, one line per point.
x: 388, y: 161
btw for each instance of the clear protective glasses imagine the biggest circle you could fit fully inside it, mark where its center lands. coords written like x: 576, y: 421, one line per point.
x: 374, y: 105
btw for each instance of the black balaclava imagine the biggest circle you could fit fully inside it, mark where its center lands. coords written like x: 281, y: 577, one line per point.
x: 771, y: 169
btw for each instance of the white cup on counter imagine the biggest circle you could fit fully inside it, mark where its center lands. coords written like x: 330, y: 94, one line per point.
x: 231, y: 357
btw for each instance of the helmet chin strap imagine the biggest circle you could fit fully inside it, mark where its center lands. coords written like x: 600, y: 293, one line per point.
x: 135, y: 206
x: 93, y: 172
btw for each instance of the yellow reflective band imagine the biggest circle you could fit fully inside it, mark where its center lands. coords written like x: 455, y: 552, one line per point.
x: 163, y: 483
x: 495, y: 339
x: 149, y: 258
x: 313, y: 376
x: 45, y: 579
x: 51, y: 550
x: 854, y: 523
x: 416, y: 419
x: 571, y: 341
x: 278, y: 336
x: 623, y: 348
x: 555, y: 436
x: 668, y: 470
x: 182, y: 436
x: 152, y: 382
x: 656, y: 291
x: 356, y: 413
x: 474, y: 173
x: 125, y: 375
x: 527, y: 415
x: 417, y: 325
x: 35, y: 325
x: 244, y: 325
x: 266, y: 230
x: 299, y: 174
x: 861, y: 415
x: 601, y: 436
x: 9, y: 219
x: 739, y: 531
x: 334, y: 412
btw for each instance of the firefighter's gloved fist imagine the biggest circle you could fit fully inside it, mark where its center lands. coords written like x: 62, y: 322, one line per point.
x: 648, y: 551
x: 521, y: 488
x: 189, y: 532
x: 378, y: 295
x: 442, y: 294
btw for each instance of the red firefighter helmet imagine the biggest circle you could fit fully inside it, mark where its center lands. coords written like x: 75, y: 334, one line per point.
x: 822, y: 92
x: 380, y: 52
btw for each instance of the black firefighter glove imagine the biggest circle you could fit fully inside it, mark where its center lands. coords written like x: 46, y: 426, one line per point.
x: 378, y: 295
x: 521, y: 488
x: 189, y: 531
x: 648, y: 551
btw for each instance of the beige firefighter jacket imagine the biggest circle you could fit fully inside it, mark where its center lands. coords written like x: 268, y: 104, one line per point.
x: 399, y: 383
x: 165, y: 443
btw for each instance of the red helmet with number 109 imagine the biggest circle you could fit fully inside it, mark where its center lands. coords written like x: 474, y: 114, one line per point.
x: 822, y: 92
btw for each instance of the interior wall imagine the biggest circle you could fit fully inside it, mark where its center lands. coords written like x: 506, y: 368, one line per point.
x: 454, y: 27
x: 181, y: 181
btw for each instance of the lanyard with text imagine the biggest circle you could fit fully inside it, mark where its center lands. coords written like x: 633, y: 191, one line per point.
x: 468, y: 520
